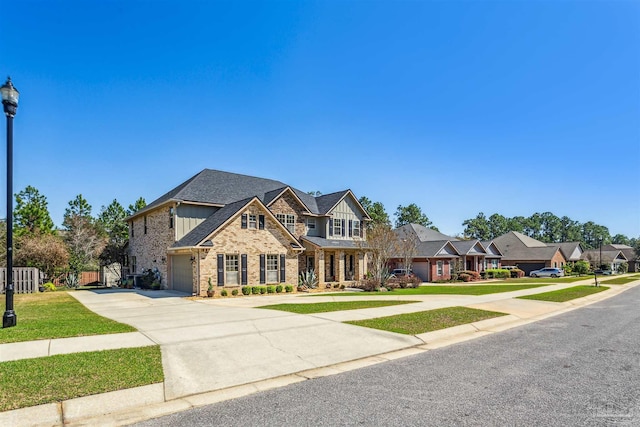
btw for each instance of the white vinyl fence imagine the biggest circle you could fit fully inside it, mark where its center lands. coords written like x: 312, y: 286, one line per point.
x: 25, y: 280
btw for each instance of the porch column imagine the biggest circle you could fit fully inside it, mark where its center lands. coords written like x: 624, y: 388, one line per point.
x: 319, y: 265
x: 340, y: 261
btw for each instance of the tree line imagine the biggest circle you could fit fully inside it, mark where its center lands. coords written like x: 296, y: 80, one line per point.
x: 545, y: 227
x: 85, y: 242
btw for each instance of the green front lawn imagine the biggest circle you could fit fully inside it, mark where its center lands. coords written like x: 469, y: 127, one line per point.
x: 549, y: 280
x: 49, y: 379
x: 323, y: 307
x: 563, y: 295
x: 427, y: 321
x: 55, y: 315
x: 440, y: 290
x: 621, y: 280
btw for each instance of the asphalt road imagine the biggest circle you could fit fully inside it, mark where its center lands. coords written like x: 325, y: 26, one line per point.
x: 581, y: 368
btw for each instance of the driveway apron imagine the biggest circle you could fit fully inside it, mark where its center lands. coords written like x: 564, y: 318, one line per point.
x: 208, y: 347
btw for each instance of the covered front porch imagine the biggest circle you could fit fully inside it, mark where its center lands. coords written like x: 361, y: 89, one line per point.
x: 334, y: 261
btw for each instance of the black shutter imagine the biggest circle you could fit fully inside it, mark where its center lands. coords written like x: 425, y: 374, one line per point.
x: 262, y: 262
x: 243, y: 266
x: 350, y: 228
x: 261, y: 222
x: 361, y: 228
x: 244, y: 221
x: 220, y: 269
x: 343, y: 228
x: 330, y: 227
x: 282, y: 267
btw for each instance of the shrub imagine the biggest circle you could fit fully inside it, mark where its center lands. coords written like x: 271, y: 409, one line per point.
x: 234, y: 292
x: 255, y: 290
x: 473, y: 275
x: 279, y: 288
x: 581, y: 267
x: 368, y: 285
x: 49, y: 287
x: 623, y: 267
x: 498, y: 273
x: 342, y: 286
x: 308, y: 279
x: 262, y: 289
x: 271, y: 289
x: 288, y: 288
x: 336, y: 285
x: 464, y: 277
x: 224, y: 293
x: 246, y: 290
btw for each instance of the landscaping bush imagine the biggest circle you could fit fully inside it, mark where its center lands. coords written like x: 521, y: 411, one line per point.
x: 464, y: 277
x: 271, y: 289
x: 234, y: 292
x: 473, y: 275
x: 368, y: 285
x: 279, y: 288
x: 288, y: 288
x: 49, y: 287
x: 262, y: 289
x: 255, y: 290
x: 224, y: 293
x: 342, y: 286
x: 497, y: 273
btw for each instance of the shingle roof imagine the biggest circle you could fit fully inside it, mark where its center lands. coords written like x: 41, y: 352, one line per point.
x: 432, y: 249
x: 567, y: 249
x: 517, y: 246
x: 332, y: 243
x: 466, y: 246
x: 221, y: 188
x: 607, y: 256
x: 424, y: 234
x: 327, y: 201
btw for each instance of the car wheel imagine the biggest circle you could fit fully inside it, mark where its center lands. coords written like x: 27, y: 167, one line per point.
x: 554, y: 276
x: 534, y: 275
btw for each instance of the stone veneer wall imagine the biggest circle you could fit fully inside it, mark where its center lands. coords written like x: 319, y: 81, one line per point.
x: 150, y: 249
x: 233, y: 239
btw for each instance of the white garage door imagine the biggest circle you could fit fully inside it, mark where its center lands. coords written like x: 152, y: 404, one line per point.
x: 181, y: 273
x: 421, y: 269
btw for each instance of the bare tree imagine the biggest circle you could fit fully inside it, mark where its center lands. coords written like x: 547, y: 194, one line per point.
x: 381, y: 244
x: 46, y: 252
x: 407, y: 247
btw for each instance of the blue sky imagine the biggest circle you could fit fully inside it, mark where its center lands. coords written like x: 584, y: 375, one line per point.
x: 512, y: 107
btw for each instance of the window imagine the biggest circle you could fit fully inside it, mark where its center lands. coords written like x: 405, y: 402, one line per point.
x: 231, y: 269
x: 337, y: 227
x: 272, y: 268
x: 288, y: 221
x: 494, y: 263
x: 133, y: 264
x: 311, y: 223
x: 145, y: 224
x: 253, y: 221
x: 356, y: 227
x: 440, y: 268
x: 171, y: 212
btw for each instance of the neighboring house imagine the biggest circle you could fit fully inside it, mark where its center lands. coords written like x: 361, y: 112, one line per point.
x: 527, y: 253
x: 633, y: 259
x: 233, y: 230
x: 572, y: 251
x: 609, y: 258
x: 438, y: 255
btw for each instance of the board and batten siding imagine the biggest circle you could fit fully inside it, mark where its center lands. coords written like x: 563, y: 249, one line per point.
x: 345, y: 210
x: 189, y: 217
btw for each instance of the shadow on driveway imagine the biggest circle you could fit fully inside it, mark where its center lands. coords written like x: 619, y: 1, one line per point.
x: 143, y: 292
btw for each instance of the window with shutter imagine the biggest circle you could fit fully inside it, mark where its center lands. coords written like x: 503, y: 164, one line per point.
x: 262, y: 268
x: 282, y: 268
x: 243, y: 268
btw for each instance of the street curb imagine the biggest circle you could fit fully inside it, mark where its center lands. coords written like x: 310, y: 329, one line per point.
x: 124, y: 407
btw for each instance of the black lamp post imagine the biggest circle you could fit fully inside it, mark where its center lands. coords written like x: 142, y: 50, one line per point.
x: 10, y: 102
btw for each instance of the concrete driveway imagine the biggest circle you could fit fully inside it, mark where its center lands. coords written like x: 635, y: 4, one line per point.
x: 208, y: 347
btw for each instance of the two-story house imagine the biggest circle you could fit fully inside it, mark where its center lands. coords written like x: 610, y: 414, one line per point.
x: 232, y: 230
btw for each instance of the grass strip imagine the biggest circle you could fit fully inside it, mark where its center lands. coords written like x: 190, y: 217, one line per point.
x: 568, y: 294
x: 55, y: 315
x: 621, y: 280
x: 49, y: 379
x: 427, y: 321
x: 440, y: 290
x: 324, y: 307
x: 549, y: 280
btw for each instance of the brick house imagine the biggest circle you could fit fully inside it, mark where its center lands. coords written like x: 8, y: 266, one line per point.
x: 234, y: 230
x: 530, y: 254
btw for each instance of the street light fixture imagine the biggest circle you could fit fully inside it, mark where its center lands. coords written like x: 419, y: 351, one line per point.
x: 10, y: 103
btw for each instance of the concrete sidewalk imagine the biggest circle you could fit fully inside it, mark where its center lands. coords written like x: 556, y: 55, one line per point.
x: 209, y: 346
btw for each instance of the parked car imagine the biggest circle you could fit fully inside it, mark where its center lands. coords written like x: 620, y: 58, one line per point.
x: 401, y: 272
x: 602, y: 272
x: 547, y: 272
